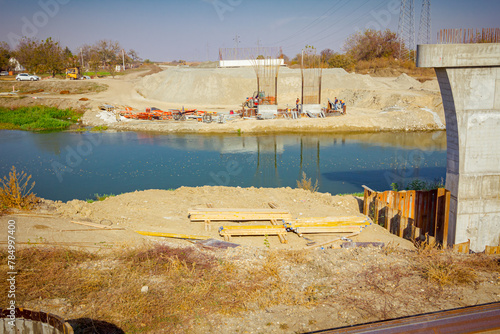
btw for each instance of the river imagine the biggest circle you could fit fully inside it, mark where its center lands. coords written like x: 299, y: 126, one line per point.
x: 69, y: 165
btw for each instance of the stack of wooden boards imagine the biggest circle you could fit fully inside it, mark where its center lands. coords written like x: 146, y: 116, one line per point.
x: 281, y: 222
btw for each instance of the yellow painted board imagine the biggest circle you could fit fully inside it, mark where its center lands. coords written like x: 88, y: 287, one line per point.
x: 330, y: 224
x: 237, y: 217
x: 217, y: 210
x: 255, y: 227
x: 492, y: 250
x: 302, y: 230
x: 252, y: 232
x: 173, y: 235
x: 333, y: 219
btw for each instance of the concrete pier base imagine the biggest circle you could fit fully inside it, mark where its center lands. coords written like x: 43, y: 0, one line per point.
x: 469, y: 79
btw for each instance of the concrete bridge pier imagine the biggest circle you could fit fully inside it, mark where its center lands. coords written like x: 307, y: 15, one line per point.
x: 469, y: 79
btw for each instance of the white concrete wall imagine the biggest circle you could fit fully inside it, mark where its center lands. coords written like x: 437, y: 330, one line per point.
x: 469, y: 78
x: 248, y: 62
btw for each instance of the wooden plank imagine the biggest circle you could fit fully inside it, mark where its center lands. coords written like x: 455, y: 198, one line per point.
x: 90, y: 224
x: 462, y: 247
x: 315, y: 229
x: 234, y: 210
x: 326, y: 243
x: 173, y: 235
x: 222, y: 215
x: 294, y: 225
x: 280, y: 236
x: 238, y: 218
x: 492, y: 250
x: 228, y: 231
x: 446, y: 218
x: 37, y: 215
x: 253, y: 227
x: 338, y: 219
x: 95, y: 229
x: 272, y: 205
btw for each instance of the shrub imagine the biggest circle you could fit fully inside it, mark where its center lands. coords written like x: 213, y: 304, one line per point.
x: 306, y: 184
x: 15, y: 191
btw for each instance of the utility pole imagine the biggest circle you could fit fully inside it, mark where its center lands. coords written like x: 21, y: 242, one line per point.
x: 123, y: 58
x: 302, y: 75
x: 81, y: 54
x: 424, y: 31
x: 406, y: 28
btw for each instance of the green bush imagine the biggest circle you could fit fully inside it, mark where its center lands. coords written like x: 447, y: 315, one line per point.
x: 37, y: 118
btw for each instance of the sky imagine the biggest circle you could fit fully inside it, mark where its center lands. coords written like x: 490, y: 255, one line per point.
x: 194, y: 30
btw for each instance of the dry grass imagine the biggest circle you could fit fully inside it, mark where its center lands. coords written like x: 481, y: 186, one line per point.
x: 446, y: 268
x: 306, y: 184
x: 16, y: 191
x: 152, y: 70
x: 185, y: 285
x: 392, y: 67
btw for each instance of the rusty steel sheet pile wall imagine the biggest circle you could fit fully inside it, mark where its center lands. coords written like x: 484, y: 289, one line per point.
x: 411, y: 214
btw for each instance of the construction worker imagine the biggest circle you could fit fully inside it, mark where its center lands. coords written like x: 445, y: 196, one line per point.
x: 343, y: 107
x: 297, y: 102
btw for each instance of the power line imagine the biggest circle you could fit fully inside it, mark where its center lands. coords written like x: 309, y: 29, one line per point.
x: 337, y: 31
x: 424, y: 30
x: 314, y: 22
x: 336, y: 23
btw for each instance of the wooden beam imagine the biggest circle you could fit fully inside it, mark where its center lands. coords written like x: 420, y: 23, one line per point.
x: 238, y: 216
x: 332, y: 241
x: 228, y: 231
x: 91, y: 225
x: 173, y: 235
x: 492, y: 250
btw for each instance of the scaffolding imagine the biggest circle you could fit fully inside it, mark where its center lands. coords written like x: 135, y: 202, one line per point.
x: 266, y: 65
x: 311, y: 71
x: 465, y: 36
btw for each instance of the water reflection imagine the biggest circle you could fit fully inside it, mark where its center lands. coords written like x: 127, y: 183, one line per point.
x: 77, y: 165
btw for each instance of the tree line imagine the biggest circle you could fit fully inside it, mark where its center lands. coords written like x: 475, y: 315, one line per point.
x: 48, y: 56
x: 365, y: 46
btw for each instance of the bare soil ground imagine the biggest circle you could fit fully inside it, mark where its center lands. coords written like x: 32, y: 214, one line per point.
x: 373, y: 103
x: 262, y: 286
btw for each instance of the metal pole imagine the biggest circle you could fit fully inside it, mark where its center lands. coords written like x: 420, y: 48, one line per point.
x: 302, y: 89
x: 276, y: 90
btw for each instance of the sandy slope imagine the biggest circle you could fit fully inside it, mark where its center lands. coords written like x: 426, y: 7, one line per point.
x: 373, y: 103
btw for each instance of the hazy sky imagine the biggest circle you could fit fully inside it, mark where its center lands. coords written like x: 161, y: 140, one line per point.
x: 196, y: 29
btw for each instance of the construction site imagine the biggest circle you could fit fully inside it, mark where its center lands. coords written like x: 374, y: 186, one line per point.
x: 220, y: 259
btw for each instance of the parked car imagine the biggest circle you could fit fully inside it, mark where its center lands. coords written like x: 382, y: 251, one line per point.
x: 4, y: 73
x: 85, y: 77
x: 27, y: 77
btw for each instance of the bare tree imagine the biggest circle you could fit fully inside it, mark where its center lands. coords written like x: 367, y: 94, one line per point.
x: 108, y: 51
x: 372, y: 44
x: 134, y: 57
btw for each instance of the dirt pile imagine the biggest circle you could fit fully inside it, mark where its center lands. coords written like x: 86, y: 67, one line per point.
x: 166, y: 211
x: 231, y: 86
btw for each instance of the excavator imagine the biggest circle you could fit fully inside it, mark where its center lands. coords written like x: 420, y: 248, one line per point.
x: 73, y: 73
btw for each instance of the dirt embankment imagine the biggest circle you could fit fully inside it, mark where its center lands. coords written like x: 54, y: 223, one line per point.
x: 373, y: 104
x: 282, y: 288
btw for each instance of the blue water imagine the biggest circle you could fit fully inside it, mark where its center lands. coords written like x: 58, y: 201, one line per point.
x: 68, y: 165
